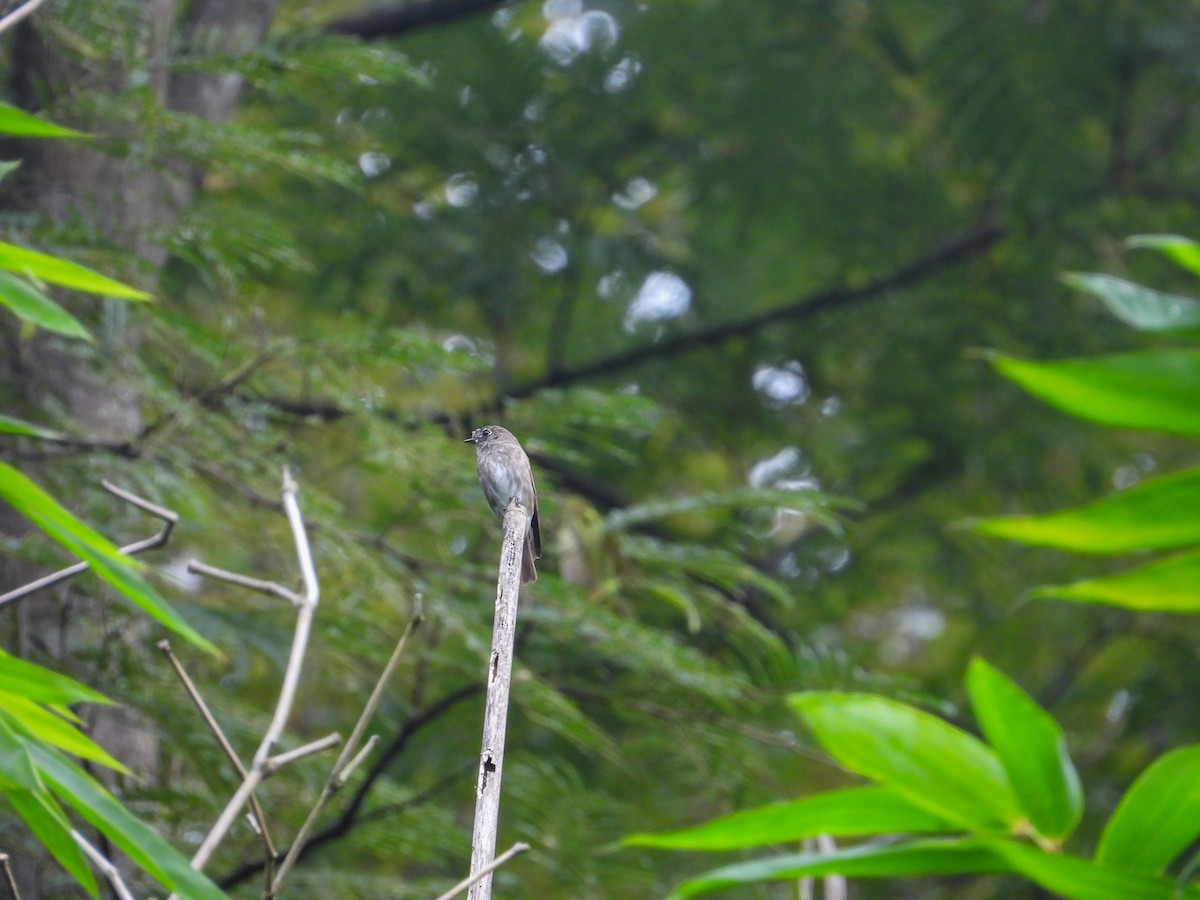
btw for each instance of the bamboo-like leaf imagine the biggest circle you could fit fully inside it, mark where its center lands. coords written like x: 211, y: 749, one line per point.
x: 1032, y: 749
x: 43, y: 685
x: 102, y: 555
x: 1182, y: 251
x: 1167, y: 585
x: 58, y: 271
x: 1154, y: 389
x: 30, y: 305
x: 935, y: 766
x: 26, y: 717
x: 1159, y: 816
x: 19, y: 123
x: 9, y: 425
x: 1142, y: 307
x: 849, y: 813
x: 143, y: 845
x: 1158, y: 514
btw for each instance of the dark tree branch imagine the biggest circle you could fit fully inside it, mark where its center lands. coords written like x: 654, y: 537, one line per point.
x: 390, y: 21
x: 954, y: 251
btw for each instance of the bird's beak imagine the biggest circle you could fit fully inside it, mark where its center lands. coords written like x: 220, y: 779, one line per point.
x: 469, y: 440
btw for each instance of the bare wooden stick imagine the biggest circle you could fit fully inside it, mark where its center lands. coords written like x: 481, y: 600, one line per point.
x: 277, y: 762
x: 170, y: 520
x: 259, y: 820
x: 254, y: 584
x: 484, y: 872
x: 19, y: 13
x: 347, y: 760
x: 107, y: 869
x: 8, y: 877
x: 307, y: 606
x: 495, y: 714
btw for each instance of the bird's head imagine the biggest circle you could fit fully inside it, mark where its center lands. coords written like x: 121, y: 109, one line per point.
x: 485, y: 435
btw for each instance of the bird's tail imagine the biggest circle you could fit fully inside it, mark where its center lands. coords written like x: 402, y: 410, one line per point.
x: 528, y: 570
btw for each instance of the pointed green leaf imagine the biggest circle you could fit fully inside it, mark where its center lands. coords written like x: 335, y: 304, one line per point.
x: 9, y: 425
x: 911, y: 858
x: 1141, y: 307
x: 1032, y: 749
x: 104, y: 557
x: 1159, y: 816
x: 8, y: 167
x: 1080, y: 879
x: 1156, y: 389
x: 43, y: 685
x: 1182, y: 251
x: 68, y: 274
x: 27, y: 718
x: 30, y: 305
x: 143, y: 845
x: 1168, y: 585
x: 21, y: 786
x: 19, y: 123
x: 848, y: 813
x: 932, y: 764
x: 1155, y: 515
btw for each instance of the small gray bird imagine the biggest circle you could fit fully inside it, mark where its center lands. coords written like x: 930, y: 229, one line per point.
x: 505, y: 475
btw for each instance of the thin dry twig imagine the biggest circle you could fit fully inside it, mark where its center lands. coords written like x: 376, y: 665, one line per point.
x: 169, y: 518
x: 485, y: 872
x: 277, y: 762
x: 307, y: 606
x: 255, y: 584
x: 348, y: 759
x: 495, y: 715
x: 8, y: 877
x: 18, y: 14
x: 259, y: 821
x: 107, y: 869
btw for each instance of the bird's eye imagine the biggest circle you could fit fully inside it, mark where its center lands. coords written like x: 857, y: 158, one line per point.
x: 487, y: 432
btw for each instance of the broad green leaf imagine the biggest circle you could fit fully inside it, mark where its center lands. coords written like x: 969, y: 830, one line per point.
x: 1182, y: 251
x: 143, y: 845
x: 1065, y: 876
x: 103, y: 556
x: 1141, y: 307
x: 26, y: 717
x: 1156, y: 515
x: 1168, y: 585
x: 934, y: 765
x: 1081, y: 879
x: 1032, y: 749
x: 1156, y: 389
x: 21, y: 786
x: 68, y: 274
x: 9, y: 425
x: 19, y: 123
x: 43, y: 685
x: 1159, y: 816
x: 911, y: 858
x: 848, y: 813
x: 30, y: 305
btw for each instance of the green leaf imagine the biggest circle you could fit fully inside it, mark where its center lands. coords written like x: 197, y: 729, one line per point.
x: 932, y: 764
x: 1168, y: 585
x: 30, y: 305
x: 9, y: 425
x: 34, y: 721
x: 848, y: 813
x: 104, y: 557
x: 8, y: 167
x: 67, y: 274
x: 19, y: 123
x: 1141, y: 307
x: 1032, y: 749
x: 1156, y: 515
x: 143, y: 845
x: 1159, y: 816
x: 912, y: 858
x: 1080, y: 879
x: 21, y: 786
x: 1155, y: 389
x: 1180, y: 250
x: 43, y: 685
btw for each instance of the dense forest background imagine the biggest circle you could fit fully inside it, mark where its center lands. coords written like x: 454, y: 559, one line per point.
x: 726, y: 269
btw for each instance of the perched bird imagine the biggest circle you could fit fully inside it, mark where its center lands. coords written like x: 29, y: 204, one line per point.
x: 505, y: 476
